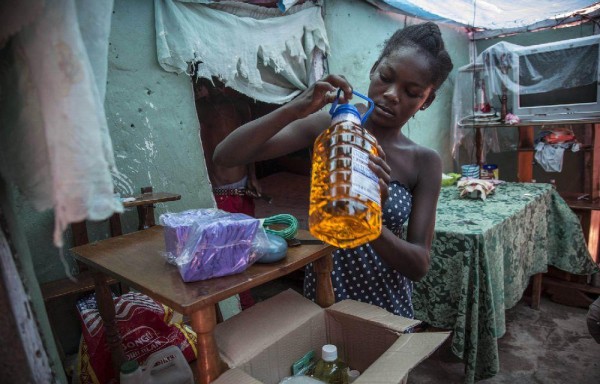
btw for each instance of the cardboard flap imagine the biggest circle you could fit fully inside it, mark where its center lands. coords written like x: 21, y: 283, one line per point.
x: 236, y: 376
x: 406, y: 353
x: 374, y: 314
x: 267, y: 338
x: 360, y: 342
x: 362, y: 331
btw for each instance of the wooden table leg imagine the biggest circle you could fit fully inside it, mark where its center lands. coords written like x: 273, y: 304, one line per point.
x: 536, y: 291
x: 525, y: 154
x: 324, y: 289
x: 209, y: 363
x: 106, y: 308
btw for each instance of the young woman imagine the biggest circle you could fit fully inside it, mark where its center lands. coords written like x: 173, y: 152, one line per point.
x: 403, y: 81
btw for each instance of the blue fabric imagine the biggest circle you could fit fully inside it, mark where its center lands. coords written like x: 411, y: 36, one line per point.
x: 496, y: 15
x: 360, y: 274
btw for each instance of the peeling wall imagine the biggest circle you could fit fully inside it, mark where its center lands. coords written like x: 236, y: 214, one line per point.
x: 154, y: 129
x: 357, y: 32
x: 152, y: 116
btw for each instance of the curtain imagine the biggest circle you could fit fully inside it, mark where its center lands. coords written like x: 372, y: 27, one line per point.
x: 54, y: 140
x: 260, y: 52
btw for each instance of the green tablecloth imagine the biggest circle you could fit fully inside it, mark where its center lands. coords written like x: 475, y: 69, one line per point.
x: 484, y: 253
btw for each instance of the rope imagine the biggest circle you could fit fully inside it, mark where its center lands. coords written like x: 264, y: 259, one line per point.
x: 285, y: 219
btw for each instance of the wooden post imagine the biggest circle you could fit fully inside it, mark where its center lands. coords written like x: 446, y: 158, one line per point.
x: 324, y: 289
x: 525, y: 156
x: 479, y: 146
x: 595, y: 162
x: 115, y: 225
x: 79, y: 231
x: 106, y: 307
x: 146, y: 212
x: 209, y: 363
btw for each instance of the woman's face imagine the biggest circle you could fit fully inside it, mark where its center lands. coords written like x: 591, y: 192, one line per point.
x: 400, y: 85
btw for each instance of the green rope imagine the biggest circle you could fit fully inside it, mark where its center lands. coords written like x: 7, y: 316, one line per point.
x: 285, y: 219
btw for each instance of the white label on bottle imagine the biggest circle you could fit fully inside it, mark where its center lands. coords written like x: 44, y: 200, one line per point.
x: 364, y: 180
x: 345, y: 117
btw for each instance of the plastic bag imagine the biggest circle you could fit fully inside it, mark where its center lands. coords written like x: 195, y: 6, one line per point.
x: 207, y: 243
x: 145, y: 326
x: 270, y: 249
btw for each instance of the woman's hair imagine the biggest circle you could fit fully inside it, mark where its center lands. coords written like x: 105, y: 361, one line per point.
x: 428, y: 38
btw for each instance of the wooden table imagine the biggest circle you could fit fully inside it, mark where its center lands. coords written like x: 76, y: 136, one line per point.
x: 136, y: 259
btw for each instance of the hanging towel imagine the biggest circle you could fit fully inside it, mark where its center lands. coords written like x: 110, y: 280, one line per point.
x: 257, y: 51
x: 54, y: 140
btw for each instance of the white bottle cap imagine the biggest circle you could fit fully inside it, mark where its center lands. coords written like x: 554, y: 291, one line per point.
x: 352, y: 375
x: 329, y: 352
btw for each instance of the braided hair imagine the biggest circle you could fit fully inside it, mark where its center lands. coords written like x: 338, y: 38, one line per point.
x: 427, y: 38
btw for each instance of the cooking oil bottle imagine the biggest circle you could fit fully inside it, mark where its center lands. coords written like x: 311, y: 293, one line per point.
x: 329, y: 369
x: 345, y: 200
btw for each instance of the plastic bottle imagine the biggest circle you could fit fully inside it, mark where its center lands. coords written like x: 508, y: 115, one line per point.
x: 167, y: 366
x: 329, y: 369
x: 352, y: 375
x: 130, y: 373
x: 345, y: 200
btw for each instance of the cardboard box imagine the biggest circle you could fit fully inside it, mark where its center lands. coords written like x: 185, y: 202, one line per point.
x: 261, y: 343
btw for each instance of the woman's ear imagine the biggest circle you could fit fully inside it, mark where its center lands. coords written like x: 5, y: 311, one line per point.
x: 428, y: 102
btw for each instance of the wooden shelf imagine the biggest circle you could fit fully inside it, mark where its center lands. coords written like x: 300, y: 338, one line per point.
x: 566, y: 288
x: 65, y: 287
x: 536, y: 123
x: 573, y: 200
x: 151, y: 198
x: 570, y: 293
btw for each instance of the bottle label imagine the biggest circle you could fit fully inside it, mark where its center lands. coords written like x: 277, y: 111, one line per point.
x: 345, y: 117
x: 364, y: 180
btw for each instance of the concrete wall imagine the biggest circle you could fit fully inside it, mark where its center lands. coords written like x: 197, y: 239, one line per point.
x: 357, y: 32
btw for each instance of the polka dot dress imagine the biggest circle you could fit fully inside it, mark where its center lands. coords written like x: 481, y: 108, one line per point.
x: 360, y: 274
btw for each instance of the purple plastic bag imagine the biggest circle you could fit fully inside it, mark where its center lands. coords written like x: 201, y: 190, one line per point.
x: 207, y: 243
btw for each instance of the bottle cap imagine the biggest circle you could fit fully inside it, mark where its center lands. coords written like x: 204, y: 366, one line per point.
x: 129, y: 366
x: 352, y: 375
x: 346, y: 108
x: 329, y: 352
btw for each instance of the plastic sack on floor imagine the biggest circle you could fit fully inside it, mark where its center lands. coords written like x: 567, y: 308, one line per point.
x: 145, y: 327
x: 207, y: 243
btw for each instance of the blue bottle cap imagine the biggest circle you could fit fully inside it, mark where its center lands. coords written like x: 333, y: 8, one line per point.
x: 346, y: 108
x: 333, y: 111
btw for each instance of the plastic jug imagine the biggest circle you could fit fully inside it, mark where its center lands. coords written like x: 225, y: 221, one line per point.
x: 345, y: 200
x: 167, y: 366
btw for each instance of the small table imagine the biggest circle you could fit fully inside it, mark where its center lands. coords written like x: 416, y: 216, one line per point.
x: 482, y: 258
x: 137, y: 260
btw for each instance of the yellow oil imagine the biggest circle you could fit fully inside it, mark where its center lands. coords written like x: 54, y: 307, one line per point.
x: 345, y: 207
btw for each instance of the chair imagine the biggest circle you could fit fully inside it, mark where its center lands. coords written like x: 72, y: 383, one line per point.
x: 84, y: 283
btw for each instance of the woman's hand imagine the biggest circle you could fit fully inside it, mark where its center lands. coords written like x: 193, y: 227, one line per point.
x: 382, y: 170
x: 320, y: 94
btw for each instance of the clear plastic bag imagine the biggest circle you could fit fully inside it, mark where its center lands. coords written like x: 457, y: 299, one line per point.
x: 207, y: 243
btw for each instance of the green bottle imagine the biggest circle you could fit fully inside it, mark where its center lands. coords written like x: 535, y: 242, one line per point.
x: 330, y: 369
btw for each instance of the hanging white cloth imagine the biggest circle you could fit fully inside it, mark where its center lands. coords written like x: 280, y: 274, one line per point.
x: 54, y: 140
x: 257, y: 51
